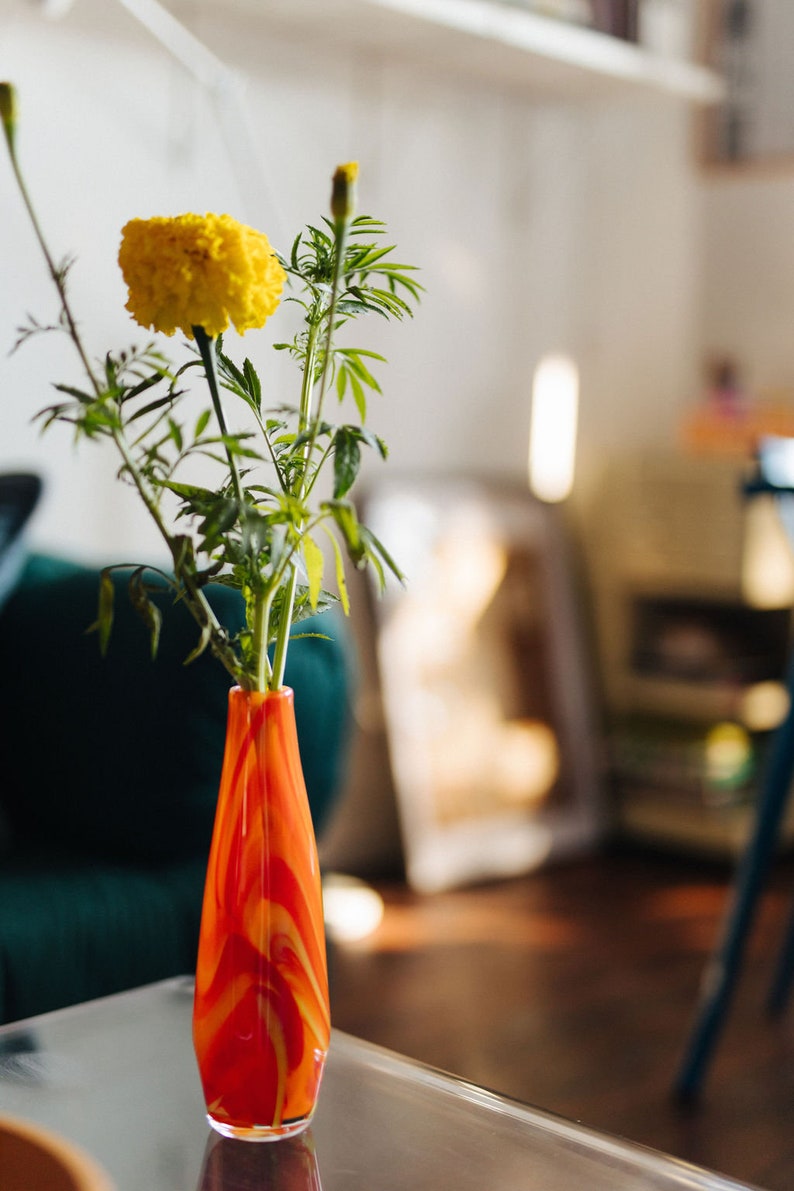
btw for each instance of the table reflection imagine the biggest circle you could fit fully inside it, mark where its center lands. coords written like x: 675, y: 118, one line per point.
x: 289, y: 1164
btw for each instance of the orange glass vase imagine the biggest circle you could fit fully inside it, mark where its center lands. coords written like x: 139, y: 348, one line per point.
x: 261, y: 1022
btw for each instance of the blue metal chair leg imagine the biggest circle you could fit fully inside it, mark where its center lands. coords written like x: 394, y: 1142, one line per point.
x: 723, y: 969
x: 784, y: 973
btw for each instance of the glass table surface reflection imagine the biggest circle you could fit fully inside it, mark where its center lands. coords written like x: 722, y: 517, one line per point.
x: 118, y: 1077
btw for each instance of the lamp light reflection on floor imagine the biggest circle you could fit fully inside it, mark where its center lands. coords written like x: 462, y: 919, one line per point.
x: 353, y: 910
x: 764, y: 706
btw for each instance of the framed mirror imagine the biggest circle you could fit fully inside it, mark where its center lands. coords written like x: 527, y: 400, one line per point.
x: 484, y: 681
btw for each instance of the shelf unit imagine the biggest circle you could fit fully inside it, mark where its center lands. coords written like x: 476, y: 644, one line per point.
x: 495, y: 42
x: 692, y: 670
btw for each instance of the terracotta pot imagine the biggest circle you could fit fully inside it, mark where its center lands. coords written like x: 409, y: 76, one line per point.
x: 34, y: 1157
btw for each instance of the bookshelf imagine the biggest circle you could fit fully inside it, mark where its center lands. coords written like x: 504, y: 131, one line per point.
x: 494, y: 42
x: 693, y: 665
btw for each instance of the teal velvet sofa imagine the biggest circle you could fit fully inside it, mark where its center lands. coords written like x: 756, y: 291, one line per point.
x: 109, y: 772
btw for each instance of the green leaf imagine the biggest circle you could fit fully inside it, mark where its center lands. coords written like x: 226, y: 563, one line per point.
x: 104, y: 621
x: 341, y: 582
x: 219, y: 517
x: 364, y: 374
x: 375, y: 549
x: 203, y: 642
x: 313, y: 557
x: 294, y: 253
x: 347, y: 461
x: 190, y: 492
x: 366, y: 255
x: 148, y: 611
x: 360, y: 351
x: 367, y: 302
x: 373, y: 440
x: 202, y: 422
x: 253, y: 383
x: 345, y: 517
x: 175, y: 433
x: 83, y: 398
x: 230, y: 368
x: 147, y: 383
x: 151, y: 407
x: 359, y: 396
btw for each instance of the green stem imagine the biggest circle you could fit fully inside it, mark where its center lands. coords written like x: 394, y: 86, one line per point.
x: 310, y: 419
x: 304, y: 419
x: 340, y: 234
x: 205, y: 346
x: 282, y: 636
x: 56, y: 274
x: 271, y: 450
x: 317, y: 471
x: 307, y: 384
x: 285, y: 624
x: 260, y: 642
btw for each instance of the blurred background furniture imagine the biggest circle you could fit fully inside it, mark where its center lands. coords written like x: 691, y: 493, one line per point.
x: 484, y: 673
x: 775, y: 478
x: 693, y: 588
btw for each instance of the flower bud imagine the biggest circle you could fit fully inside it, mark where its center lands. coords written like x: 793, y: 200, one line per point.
x: 8, y: 111
x: 343, y: 194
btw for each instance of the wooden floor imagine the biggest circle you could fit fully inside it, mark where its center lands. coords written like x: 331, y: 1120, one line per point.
x: 574, y: 988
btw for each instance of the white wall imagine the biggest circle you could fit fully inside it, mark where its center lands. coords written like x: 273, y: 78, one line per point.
x: 538, y: 229
x: 747, y: 296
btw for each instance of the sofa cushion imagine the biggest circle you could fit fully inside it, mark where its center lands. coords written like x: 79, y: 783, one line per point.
x: 120, y: 757
x: 71, y: 931
x: 19, y: 495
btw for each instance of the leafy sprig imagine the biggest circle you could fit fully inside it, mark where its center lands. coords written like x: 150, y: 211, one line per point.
x: 261, y: 526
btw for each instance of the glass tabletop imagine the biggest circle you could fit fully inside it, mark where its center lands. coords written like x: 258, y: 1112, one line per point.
x: 118, y: 1077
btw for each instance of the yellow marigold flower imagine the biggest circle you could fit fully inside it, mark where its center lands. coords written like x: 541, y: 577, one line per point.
x: 343, y: 192
x: 199, y: 271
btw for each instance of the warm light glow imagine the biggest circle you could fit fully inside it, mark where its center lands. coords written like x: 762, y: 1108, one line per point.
x: 552, y: 429
x: 764, y: 706
x: 768, y: 562
x: 353, y: 910
x: 526, y: 762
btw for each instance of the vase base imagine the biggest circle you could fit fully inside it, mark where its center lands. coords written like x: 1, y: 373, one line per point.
x: 259, y: 1132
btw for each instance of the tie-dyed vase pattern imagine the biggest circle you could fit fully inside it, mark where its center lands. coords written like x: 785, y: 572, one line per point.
x: 261, y: 1021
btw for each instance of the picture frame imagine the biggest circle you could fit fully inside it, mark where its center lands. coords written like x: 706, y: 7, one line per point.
x: 485, y: 681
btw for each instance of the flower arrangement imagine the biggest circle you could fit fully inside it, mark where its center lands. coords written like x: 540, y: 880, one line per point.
x: 258, y: 528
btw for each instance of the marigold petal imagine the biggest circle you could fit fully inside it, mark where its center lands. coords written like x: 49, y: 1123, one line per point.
x: 199, y: 270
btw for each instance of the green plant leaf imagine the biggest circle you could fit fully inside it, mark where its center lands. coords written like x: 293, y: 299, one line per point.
x: 201, y: 647
x: 347, y: 461
x: 344, y: 515
x: 148, y: 611
x: 83, y: 398
x: 341, y: 582
x: 313, y: 557
x: 103, y: 625
x: 376, y: 550
x: 202, y: 422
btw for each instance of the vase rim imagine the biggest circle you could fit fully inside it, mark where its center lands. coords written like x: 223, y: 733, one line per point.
x: 283, y: 692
